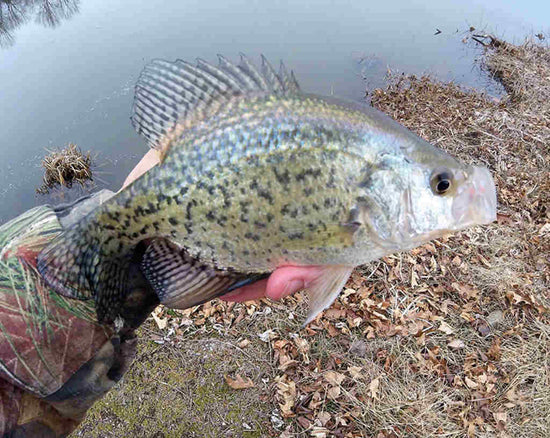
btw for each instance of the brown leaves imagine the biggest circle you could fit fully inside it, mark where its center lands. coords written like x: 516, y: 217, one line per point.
x: 286, y: 394
x: 374, y: 385
x: 446, y: 328
x: 334, y: 380
x: 456, y: 344
x: 239, y: 382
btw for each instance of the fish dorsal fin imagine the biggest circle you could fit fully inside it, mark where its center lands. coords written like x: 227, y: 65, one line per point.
x: 288, y: 80
x: 167, y: 93
x: 323, y: 290
x: 181, y: 281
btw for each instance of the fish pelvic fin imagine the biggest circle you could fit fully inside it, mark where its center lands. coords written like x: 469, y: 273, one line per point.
x: 180, y: 281
x: 73, y: 266
x: 167, y: 94
x: 323, y: 290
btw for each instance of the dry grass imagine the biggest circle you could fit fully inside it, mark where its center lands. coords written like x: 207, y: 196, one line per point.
x: 65, y: 167
x: 448, y: 340
x: 178, y: 389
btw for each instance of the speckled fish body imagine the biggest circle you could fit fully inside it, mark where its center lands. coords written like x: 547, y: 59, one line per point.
x: 274, y: 181
x: 259, y: 175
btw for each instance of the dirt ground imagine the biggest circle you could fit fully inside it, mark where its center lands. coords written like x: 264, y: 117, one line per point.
x: 451, y: 339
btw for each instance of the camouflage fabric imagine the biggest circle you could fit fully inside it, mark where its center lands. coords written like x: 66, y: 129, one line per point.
x: 44, y: 337
x: 55, y: 359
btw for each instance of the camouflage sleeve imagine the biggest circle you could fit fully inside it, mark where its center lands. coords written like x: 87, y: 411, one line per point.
x: 26, y: 414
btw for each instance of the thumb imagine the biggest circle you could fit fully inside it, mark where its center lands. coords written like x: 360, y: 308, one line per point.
x: 286, y: 280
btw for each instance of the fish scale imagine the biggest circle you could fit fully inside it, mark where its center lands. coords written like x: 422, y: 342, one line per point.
x: 255, y: 181
x: 255, y: 175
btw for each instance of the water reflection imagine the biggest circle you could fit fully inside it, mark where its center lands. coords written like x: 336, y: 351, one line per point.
x: 50, y: 13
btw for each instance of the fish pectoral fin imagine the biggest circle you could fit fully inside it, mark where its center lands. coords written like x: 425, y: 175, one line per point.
x: 180, y: 281
x: 324, y: 289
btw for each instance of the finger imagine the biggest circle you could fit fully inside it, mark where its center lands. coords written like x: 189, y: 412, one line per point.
x: 290, y: 279
x: 282, y: 282
x: 150, y: 159
x: 246, y: 293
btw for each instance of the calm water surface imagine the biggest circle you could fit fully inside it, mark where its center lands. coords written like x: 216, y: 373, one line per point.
x: 67, y: 67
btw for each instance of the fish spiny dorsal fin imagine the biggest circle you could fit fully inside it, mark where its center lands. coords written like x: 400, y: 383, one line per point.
x: 271, y: 76
x: 168, y: 93
x: 294, y: 85
x: 251, y: 70
x: 290, y: 85
x: 240, y: 76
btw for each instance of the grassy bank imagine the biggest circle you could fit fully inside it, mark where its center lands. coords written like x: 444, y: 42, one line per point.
x: 448, y: 340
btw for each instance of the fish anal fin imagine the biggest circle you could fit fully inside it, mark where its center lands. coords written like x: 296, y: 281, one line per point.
x: 324, y: 289
x: 180, y: 281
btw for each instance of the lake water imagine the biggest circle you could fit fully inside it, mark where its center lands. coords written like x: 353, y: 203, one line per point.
x: 67, y: 67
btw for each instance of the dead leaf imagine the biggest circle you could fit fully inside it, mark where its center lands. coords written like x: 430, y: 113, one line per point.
x: 456, y: 344
x: 334, y: 392
x: 334, y: 378
x: 304, y: 422
x: 470, y: 383
x: 374, y: 385
x: 288, y: 364
x: 500, y: 417
x: 545, y: 229
x: 286, y: 390
x: 355, y: 372
x: 319, y: 432
x: 414, y: 279
x: 239, y: 382
x: 244, y: 343
x: 494, y: 351
x: 446, y: 328
x: 322, y: 418
x: 161, y: 322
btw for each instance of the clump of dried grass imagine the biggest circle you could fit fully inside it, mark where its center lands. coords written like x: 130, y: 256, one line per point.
x: 521, y: 69
x: 65, y: 167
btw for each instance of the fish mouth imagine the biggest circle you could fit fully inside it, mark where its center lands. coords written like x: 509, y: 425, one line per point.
x: 476, y: 201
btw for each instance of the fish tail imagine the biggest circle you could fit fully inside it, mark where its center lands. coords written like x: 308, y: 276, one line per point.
x: 74, y: 265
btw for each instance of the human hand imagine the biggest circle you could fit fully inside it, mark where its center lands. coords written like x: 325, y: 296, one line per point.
x: 150, y: 159
x: 282, y: 282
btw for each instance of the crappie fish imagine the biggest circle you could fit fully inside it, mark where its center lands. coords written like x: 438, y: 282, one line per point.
x: 254, y: 175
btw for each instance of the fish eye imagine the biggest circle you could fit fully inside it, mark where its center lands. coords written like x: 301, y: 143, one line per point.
x: 441, y: 181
